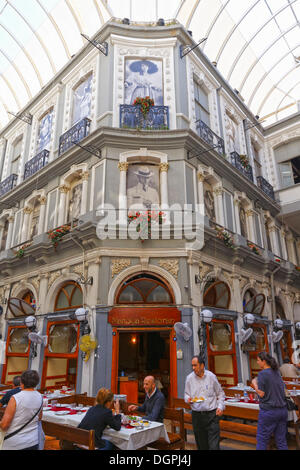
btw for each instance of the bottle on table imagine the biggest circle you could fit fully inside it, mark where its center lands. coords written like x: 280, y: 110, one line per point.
x: 246, y: 398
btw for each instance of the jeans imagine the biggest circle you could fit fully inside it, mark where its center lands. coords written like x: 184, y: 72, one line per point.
x: 36, y: 447
x: 206, y: 430
x: 108, y: 445
x: 270, y: 422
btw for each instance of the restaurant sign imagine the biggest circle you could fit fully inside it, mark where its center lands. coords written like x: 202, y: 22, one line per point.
x: 124, y: 316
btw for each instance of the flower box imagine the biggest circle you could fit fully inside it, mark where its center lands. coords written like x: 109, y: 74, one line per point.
x: 254, y: 249
x: 58, y: 233
x: 145, y: 220
x: 225, y: 236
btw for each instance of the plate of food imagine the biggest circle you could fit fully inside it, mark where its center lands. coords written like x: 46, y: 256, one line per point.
x: 197, y: 400
x: 63, y: 412
x: 145, y: 422
x: 135, y: 424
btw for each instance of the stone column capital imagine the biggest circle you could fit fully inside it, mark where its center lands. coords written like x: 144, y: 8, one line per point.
x: 163, y: 167
x: 123, y: 166
x: 85, y: 175
x: 43, y: 200
x: 64, y: 189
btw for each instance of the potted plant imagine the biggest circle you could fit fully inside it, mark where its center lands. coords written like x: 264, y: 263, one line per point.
x: 145, y: 219
x: 57, y: 234
x: 225, y: 236
x: 244, y: 161
x: 145, y: 104
x: 254, y: 248
x: 21, y: 251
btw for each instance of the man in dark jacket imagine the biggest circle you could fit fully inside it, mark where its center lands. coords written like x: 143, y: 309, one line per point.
x: 154, y: 403
x: 16, y: 389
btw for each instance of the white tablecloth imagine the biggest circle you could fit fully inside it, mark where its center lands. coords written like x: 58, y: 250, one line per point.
x: 125, y: 439
x: 292, y: 415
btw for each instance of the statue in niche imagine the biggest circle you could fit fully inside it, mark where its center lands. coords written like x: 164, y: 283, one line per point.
x: 75, y: 202
x: 209, y: 205
x: 142, y: 186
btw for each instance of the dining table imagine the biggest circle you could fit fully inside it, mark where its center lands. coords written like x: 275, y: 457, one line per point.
x: 128, y: 438
x: 254, y: 405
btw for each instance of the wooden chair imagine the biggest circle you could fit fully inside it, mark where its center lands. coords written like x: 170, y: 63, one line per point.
x: 176, y: 438
x: 74, y: 436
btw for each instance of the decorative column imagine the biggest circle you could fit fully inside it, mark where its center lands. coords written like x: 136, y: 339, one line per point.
x: 250, y: 216
x: 2, y: 226
x: 218, y: 192
x: 236, y: 204
x: 41, y: 226
x: 84, y: 192
x: 123, y: 167
x: 284, y: 247
x: 9, y: 232
x: 27, y: 212
x: 273, y: 239
x: 290, y: 248
x: 298, y: 250
x: 200, y: 177
x: 164, y: 200
x: 64, y: 189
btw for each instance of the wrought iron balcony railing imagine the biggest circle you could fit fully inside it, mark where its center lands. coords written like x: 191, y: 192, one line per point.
x: 210, y: 137
x: 78, y: 132
x: 237, y: 163
x: 265, y: 186
x: 132, y: 117
x: 8, y: 184
x: 36, y: 163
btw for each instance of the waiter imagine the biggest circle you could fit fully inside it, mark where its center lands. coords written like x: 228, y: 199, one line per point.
x: 200, y: 384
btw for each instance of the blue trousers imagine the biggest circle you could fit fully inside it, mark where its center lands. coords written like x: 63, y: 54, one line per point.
x: 108, y: 445
x: 270, y: 422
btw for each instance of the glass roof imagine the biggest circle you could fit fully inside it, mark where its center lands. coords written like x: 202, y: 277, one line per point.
x: 255, y: 44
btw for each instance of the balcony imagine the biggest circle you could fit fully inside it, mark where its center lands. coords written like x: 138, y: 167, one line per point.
x: 210, y: 137
x: 8, y: 184
x: 237, y: 163
x: 36, y: 163
x: 131, y: 117
x: 266, y: 187
x: 78, y: 132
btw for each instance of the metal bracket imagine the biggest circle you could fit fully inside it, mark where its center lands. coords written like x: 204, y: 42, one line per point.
x: 186, y: 49
x: 25, y: 117
x: 101, y: 46
x: 90, y: 149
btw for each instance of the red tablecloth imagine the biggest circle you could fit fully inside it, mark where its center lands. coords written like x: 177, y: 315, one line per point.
x: 66, y: 408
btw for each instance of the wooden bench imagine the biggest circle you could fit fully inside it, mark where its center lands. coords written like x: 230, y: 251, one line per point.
x: 74, y: 436
x: 228, y: 429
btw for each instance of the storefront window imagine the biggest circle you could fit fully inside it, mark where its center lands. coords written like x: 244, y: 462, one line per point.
x: 254, y: 303
x: 69, y: 296
x: 18, y: 341
x: 144, y: 289
x: 220, y: 337
x: 62, y: 339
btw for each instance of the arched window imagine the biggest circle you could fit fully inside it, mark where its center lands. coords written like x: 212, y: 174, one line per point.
x: 279, y: 310
x: 69, y: 296
x: 29, y: 298
x: 253, y: 303
x: 144, y: 289
x: 216, y: 294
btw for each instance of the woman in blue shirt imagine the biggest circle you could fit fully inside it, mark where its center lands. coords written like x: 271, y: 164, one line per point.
x: 273, y: 415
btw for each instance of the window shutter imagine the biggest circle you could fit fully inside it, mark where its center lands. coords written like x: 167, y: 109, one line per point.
x: 17, y: 229
x: 52, y: 212
x: 229, y: 221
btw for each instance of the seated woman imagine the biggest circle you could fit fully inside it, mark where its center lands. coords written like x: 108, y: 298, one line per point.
x: 100, y: 416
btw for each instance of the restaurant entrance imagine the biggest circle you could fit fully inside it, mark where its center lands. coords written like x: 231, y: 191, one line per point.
x: 17, y: 353
x: 143, y: 337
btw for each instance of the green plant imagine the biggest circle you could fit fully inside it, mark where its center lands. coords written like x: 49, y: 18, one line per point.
x: 145, y: 219
x: 223, y: 235
x: 57, y: 234
x: 145, y: 104
x: 244, y: 161
x: 254, y: 249
x: 21, y: 251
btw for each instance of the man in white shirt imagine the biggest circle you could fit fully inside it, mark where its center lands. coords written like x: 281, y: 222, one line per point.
x: 287, y: 369
x: 201, y: 384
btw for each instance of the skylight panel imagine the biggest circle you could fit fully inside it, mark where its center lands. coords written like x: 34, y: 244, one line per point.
x: 285, y: 19
x: 68, y: 26
x: 58, y: 52
x: 8, y: 97
x: 120, y: 9
x: 232, y: 50
x: 255, y: 19
x: 40, y: 57
x: 31, y: 11
x: 215, y: 41
x: 10, y: 46
x: 284, y: 65
x: 49, y: 4
x: 28, y: 72
x: 264, y: 38
x: 91, y: 22
x: 292, y: 37
x: 16, y: 23
x: 17, y: 85
x: 237, y: 8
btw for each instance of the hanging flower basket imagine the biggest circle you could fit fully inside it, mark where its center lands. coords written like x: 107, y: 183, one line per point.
x: 57, y: 234
x: 297, y: 268
x: 223, y: 235
x: 244, y: 161
x: 21, y: 251
x: 145, y: 104
x: 254, y: 249
x: 145, y: 219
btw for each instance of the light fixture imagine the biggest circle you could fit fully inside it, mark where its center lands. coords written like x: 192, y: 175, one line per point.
x: 197, y: 279
x: 101, y: 46
x: 297, y: 326
x: 81, y: 315
x: 278, y: 323
x: 126, y: 21
x: 85, y: 281
x: 249, y: 319
x: 160, y: 22
x: 206, y: 316
x: 30, y: 322
x: 133, y: 339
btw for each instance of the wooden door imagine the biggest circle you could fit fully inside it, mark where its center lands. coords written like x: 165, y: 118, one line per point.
x: 17, y: 353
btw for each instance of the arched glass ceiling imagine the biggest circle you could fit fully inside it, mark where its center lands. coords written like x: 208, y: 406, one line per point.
x: 255, y: 43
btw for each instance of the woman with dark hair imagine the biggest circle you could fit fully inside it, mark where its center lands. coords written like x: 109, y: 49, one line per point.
x: 100, y: 416
x: 24, y: 410
x: 273, y: 414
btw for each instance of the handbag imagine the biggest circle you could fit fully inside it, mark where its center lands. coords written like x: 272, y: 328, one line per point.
x: 291, y: 405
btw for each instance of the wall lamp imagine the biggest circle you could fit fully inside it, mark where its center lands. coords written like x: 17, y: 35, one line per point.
x: 184, y: 50
x: 81, y: 315
x: 278, y: 324
x: 30, y: 323
x: 249, y: 319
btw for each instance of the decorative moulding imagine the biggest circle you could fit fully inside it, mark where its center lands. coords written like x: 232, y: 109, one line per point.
x: 170, y: 265
x: 118, y: 265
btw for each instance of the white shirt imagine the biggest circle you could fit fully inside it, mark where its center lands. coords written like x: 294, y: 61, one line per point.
x: 27, y: 404
x: 207, y: 387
